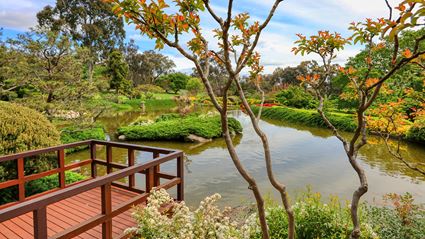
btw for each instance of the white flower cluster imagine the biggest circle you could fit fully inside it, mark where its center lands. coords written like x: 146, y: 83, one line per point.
x: 206, y: 222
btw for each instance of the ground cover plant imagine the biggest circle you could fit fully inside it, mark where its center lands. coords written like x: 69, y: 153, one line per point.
x: 176, y: 127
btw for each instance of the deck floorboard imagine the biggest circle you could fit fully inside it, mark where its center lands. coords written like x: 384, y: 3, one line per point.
x: 70, y: 212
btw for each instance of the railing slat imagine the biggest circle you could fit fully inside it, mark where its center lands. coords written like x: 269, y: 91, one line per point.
x: 131, y: 159
x: 61, y: 166
x: 156, y: 169
x: 108, y: 159
x: 40, y: 223
x: 149, y: 179
x: 93, y: 162
x: 180, y: 174
x: 20, y: 167
x: 106, y: 210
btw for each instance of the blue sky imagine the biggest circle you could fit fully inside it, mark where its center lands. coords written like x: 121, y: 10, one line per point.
x: 293, y: 16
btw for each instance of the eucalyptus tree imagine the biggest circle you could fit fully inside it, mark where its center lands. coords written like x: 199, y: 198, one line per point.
x: 89, y: 22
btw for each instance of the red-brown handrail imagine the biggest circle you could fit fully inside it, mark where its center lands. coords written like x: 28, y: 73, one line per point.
x: 150, y: 169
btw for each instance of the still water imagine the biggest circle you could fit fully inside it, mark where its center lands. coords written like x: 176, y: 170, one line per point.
x: 302, y: 156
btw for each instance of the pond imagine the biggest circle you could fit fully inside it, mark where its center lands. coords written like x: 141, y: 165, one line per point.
x: 302, y: 156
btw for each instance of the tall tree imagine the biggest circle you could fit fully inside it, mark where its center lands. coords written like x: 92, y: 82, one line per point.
x: 51, y: 65
x: 89, y: 22
x: 146, y: 67
x: 118, y: 71
x: 367, y: 82
x: 159, y: 21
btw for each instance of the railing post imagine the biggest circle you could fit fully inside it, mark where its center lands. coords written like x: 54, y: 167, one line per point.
x: 93, y: 162
x: 40, y: 223
x: 156, y: 169
x: 131, y: 178
x: 61, y: 166
x: 149, y: 179
x: 180, y: 174
x: 106, y: 210
x: 108, y: 159
x: 21, y: 178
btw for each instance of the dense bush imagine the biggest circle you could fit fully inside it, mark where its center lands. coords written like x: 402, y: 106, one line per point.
x: 208, y: 221
x: 150, y: 88
x: 80, y: 133
x: 331, y: 220
x: 50, y: 182
x: 24, y: 129
x: 295, y: 96
x: 173, y: 82
x: 194, y: 85
x: 341, y: 121
x: 178, y: 128
x: 417, y: 131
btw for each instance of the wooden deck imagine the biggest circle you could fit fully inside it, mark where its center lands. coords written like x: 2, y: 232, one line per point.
x: 70, y: 212
x: 98, y: 207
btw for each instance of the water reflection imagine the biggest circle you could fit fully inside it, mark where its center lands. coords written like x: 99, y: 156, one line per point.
x: 301, y: 156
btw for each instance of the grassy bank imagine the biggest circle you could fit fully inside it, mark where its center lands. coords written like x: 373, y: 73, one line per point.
x: 173, y: 127
x: 341, y: 121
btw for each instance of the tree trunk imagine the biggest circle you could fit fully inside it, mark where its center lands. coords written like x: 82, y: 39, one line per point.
x: 361, y: 190
x: 281, y: 188
x: 248, y: 178
x: 90, y: 70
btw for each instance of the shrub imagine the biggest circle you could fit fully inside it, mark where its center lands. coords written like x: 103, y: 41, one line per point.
x: 80, y: 133
x: 50, y: 182
x: 206, y: 222
x: 179, y: 128
x: 417, y: 131
x: 23, y: 129
x: 295, y: 96
x: 404, y: 220
x: 150, y: 88
x: 341, y: 121
x: 194, y: 85
x: 173, y: 82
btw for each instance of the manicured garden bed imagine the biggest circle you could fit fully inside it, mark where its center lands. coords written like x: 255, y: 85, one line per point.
x: 174, y: 127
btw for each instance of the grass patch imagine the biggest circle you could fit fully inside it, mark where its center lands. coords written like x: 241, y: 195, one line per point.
x: 178, y: 128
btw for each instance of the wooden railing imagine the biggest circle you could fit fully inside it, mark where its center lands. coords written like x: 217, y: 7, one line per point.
x: 38, y: 203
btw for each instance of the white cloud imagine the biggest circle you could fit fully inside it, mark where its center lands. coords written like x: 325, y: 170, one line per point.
x: 20, y: 14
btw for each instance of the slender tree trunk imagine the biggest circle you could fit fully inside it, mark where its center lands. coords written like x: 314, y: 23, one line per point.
x: 361, y: 190
x: 90, y: 70
x: 242, y: 171
x: 281, y: 188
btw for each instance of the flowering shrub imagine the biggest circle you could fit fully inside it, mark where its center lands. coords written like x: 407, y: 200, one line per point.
x: 315, y: 219
x: 207, y: 221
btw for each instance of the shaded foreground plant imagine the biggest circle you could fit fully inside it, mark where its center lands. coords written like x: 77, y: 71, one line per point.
x: 237, y: 38
x: 367, y: 82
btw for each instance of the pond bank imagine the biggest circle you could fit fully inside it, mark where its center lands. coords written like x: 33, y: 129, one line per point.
x: 342, y: 121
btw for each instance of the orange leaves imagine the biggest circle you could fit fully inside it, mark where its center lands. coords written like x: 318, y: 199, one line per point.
x: 371, y: 81
x: 407, y: 53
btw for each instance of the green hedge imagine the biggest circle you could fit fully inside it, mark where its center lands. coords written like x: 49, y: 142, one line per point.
x: 80, y: 133
x: 341, y: 121
x: 172, y: 128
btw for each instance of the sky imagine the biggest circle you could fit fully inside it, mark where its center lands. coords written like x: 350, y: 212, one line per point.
x: 292, y: 16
